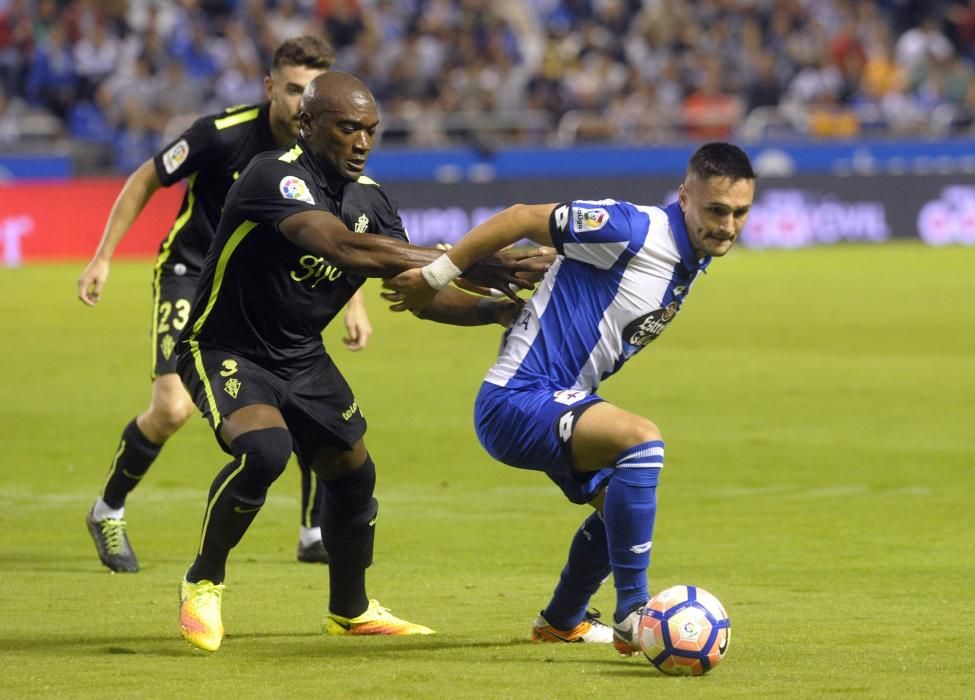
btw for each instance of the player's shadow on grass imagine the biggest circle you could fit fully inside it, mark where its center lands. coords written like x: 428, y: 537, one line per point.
x: 290, y: 643
x: 413, y: 645
x: 93, y: 645
x: 442, y: 649
x: 311, y: 644
x: 43, y: 562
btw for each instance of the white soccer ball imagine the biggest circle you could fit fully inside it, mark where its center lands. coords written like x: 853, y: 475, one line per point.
x: 684, y: 631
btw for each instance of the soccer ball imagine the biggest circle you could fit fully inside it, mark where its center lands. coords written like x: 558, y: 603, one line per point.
x: 684, y: 631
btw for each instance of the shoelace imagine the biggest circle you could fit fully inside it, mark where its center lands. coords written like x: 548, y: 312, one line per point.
x: 114, y: 533
x: 207, y: 589
x: 378, y: 609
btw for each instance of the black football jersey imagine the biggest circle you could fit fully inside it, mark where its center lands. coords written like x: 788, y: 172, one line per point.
x: 260, y: 295
x: 209, y: 155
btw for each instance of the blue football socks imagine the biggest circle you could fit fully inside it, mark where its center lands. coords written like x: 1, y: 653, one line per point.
x: 587, y: 567
x: 629, y: 510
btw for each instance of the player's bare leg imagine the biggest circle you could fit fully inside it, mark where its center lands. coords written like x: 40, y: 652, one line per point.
x: 169, y: 410
x: 605, y: 430
x: 141, y: 441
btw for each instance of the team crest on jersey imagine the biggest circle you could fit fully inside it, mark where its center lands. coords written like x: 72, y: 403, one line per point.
x: 361, y: 224
x: 295, y: 188
x: 175, y: 156
x: 232, y: 387
x: 167, y: 345
x: 644, y: 330
x: 589, y: 219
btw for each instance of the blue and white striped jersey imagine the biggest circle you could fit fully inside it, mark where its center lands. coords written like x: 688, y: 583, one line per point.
x: 621, y: 276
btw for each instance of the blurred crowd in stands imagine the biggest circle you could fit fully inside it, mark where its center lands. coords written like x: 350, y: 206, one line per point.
x: 126, y: 75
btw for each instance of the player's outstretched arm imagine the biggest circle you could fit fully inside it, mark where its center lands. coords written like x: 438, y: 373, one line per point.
x: 136, y: 192
x: 457, y: 308
x: 367, y: 255
x: 543, y: 255
x: 419, y: 287
x: 357, y: 326
x: 501, y: 230
x: 382, y: 256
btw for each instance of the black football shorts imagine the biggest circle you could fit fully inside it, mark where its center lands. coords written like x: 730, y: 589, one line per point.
x: 316, y: 402
x: 172, y: 299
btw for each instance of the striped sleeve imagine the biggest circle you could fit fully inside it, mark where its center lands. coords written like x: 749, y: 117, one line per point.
x: 596, y: 232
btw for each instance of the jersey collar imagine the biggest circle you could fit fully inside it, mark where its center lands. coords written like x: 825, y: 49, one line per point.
x: 687, y: 256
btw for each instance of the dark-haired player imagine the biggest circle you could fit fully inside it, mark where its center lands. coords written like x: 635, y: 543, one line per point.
x: 209, y: 155
x: 622, y: 275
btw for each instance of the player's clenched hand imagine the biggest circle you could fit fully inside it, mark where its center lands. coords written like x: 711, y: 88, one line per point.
x: 409, y: 291
x: 540, y: 259
x: 542, y: 256
x: 461, y: 283
x: 507, y: 271
x: 92, y: 281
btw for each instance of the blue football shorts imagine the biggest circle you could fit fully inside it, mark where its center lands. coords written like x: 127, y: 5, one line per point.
x: 532, y: 429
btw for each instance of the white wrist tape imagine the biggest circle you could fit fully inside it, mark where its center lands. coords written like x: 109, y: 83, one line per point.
x: 440, y: 272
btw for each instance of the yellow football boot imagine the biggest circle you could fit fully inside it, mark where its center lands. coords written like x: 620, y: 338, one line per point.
x: 375, y: 620
x: 200, y: 622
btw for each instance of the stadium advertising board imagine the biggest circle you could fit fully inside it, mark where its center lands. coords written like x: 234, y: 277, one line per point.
x: 791, y: 212
x: 811, y: 157
x: 64, y: 220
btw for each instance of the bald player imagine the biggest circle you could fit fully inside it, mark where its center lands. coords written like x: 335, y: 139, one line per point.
x: 209, y: 156
x: 301, y: 230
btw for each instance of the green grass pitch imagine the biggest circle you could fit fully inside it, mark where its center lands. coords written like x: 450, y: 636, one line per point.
x: 817, y: 408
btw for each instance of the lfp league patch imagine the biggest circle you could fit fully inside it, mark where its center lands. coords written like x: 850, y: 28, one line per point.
x: 175, y: 156
x: 589, y: 219
x: 295, y: 188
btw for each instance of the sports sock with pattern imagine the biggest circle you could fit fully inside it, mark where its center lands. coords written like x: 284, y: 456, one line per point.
x: 348, y: 530
x: 236, y: 496
x: 585, y: 570
x: 629, y: 510
x: 134, y: 456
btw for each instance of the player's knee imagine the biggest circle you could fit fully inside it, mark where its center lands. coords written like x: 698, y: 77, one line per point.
x: 167, y: 416
x: 350, y: 495
x: 331, y: 463
x: 640, y: 431
x: 263, y: 453
x: 640, y: 465
x: 171, y: 418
